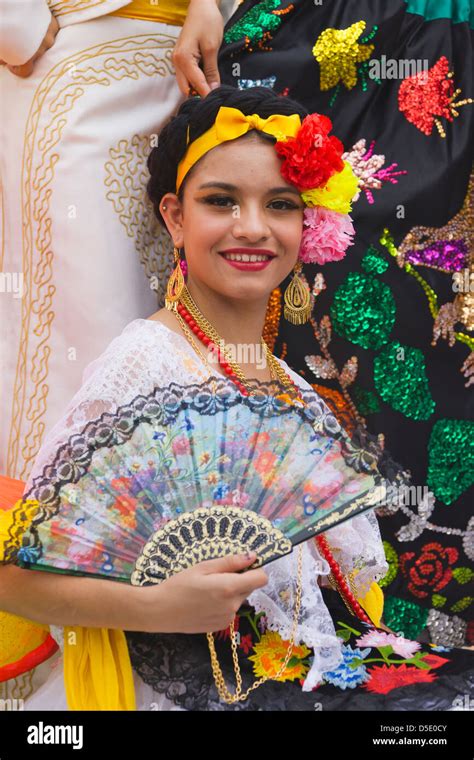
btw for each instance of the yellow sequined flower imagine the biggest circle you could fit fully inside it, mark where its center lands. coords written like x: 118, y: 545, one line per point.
x: 337, y: 52
x: 270, y: 653
x: 337, y: 193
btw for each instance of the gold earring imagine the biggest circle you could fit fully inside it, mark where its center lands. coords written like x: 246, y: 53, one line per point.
x: 175, y: 284
x: 297, y: 309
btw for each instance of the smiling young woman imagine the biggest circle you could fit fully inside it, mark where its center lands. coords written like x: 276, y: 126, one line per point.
x: 231, y: 196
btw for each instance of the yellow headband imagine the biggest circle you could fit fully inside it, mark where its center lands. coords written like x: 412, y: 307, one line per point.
x: 229, y: 124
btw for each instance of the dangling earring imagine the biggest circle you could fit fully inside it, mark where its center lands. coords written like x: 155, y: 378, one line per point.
x: 175, y: 284
x: 297, y: 309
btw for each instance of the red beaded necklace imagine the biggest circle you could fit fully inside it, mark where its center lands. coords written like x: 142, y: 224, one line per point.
x: 338, y: 578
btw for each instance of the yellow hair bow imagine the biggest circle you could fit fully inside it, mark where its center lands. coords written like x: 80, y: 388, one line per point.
x: 231, y: 123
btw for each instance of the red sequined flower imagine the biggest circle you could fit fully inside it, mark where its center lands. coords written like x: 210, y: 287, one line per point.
x: 312, y: 157
x: 431, y: 571
x: 427, y: 95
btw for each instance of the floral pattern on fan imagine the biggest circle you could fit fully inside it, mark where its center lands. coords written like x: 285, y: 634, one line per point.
x: 119, y: 482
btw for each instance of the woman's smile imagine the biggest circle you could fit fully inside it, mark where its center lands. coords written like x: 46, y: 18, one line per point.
x: 248, y: 259
x: 248, y: 266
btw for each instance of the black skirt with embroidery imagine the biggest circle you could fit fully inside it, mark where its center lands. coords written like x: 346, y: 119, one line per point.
x: 382, y: 672
x: 394, y: 293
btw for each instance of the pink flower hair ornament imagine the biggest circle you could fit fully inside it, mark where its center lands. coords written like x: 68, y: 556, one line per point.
x: 327, y: 184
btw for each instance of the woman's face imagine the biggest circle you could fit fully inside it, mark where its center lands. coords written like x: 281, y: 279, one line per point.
x: 235, y: 197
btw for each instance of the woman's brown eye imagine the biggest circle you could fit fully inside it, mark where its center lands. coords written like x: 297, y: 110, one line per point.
x: 288, y: 204
x: 215, y: 200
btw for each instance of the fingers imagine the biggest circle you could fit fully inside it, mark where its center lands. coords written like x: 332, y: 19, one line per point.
x: 211, y: 71
x: 182, y: 82
x: 22, y: 71
x: 238, y: 582
x: 251, y: 580
x: 48, y: 40
x: 188, y: 73
x: 228, y: 564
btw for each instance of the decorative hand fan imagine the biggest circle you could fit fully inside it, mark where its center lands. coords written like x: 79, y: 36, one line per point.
x: 191, y: 473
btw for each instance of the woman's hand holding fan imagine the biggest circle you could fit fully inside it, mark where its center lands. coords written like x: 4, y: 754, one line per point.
x: 205, y: 597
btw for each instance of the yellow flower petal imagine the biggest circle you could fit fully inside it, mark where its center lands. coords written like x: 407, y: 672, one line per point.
x: 336, y: 194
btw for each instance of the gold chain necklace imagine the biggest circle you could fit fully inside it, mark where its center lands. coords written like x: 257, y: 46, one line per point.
x: 224, y: 693
x: 276, y: 370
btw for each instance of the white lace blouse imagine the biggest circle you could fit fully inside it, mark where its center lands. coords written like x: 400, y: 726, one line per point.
x: 147, y: 353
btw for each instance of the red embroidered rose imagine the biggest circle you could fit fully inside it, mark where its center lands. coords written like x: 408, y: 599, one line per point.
x: 384, y: 678
x: 431, y: 571
x: 312, y: 157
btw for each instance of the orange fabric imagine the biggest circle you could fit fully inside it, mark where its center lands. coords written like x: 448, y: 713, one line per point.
x: 10, y: 491
x: 31, y: 659
x: 24, y: 644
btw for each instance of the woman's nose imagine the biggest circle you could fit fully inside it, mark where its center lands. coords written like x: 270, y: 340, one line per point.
x: 250, y: 222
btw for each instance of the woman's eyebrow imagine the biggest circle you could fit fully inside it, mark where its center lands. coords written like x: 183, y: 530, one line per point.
x: 227, y: 186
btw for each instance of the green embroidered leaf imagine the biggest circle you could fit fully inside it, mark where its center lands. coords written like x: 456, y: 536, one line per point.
x: 344, y: 635
x: 462, y: 604
x: 386, y: 651
x: 463, y: 574
x: 451, y: 459
x: 438, y: 601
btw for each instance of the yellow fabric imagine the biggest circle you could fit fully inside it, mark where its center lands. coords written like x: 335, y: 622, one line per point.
x: 19, y: 637
x: 97, y: 670
x: 231, y: 123
x: 373, y: 603
x: 167, y: 11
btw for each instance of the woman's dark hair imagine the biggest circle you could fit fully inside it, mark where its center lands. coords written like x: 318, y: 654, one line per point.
x: 199, y: 114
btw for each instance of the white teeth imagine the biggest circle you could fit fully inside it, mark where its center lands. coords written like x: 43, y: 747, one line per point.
x: 246, y: 257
